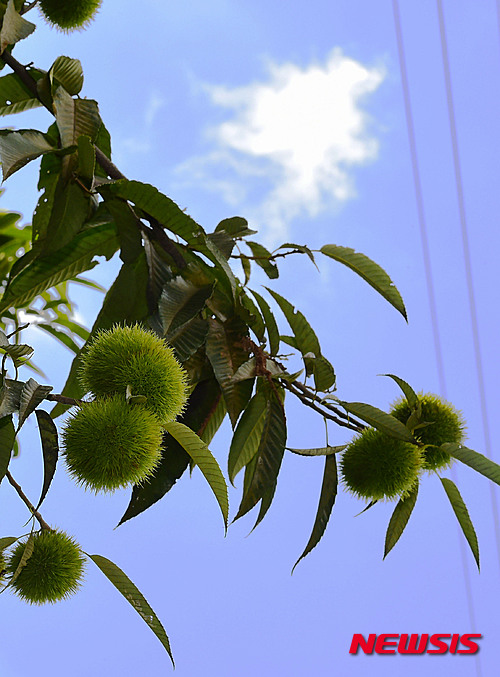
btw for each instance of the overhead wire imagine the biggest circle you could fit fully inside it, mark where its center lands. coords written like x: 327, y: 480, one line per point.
x: 428, y: 273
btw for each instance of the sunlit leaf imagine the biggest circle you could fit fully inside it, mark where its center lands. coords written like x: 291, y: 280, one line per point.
x: 399, y: 519
x: 27, y: 552
x: 320, y: 451
x: 370, y: 271
x: 379, y: 419
x: 14, y: 27
x: 68, y: 72
x: 17, y: 148
x: 408, y: 391
x: 474, y: 460
x: 134, y: 596
x: 462, y: 514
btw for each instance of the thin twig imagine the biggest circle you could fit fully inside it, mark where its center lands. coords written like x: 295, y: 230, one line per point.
x: 316, y: 398
x: 266, y: 258
x: 27, y: 502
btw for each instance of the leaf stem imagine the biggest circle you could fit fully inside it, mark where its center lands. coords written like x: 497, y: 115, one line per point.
x: 27, y: 502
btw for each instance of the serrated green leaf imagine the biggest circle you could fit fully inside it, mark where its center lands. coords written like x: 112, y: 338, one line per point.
x: 7, y: 437
x: 75, y: 117
x: 379, y: 419
x: 462, y: 514
x: 474, y: 460
x: 15, y: 97
x: 32, y: 395
x: 236, y: 226
x: 399, y: 519
x: 181, y: 301
x: 408, y: 391
x: 68, y: 72
x: 249, y: 312
x: 226, y: 354
x: 127, y: 229
x: 18, y: 353
x: 50, y: 450
x: 324, y: 374
x: 268, y: 457
x: 47, y: 271
x: 271, y: 325
x: 326, y: 502
x: 319, y: 451
x: 262, y: 258
x: 10, y: 396
x: 159, y: 206
x: 14, y: 27
x: 370, y: 271
x: 247, y: 268
x: 247, y: 436
x: 265, y: 504
x: 187, y: 338
x: 247, y: 370
x: 7, y: 541
x: 201, y: 455
x: 17, y: 148
x: 134, y: 596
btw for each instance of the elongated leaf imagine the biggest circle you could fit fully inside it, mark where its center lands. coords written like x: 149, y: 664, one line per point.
x: 75, y: 117
x: 17, y: 148
x: 370, y: 271
x: 462, y: 514
x: 18, y: 353
x: 262, y: 258
x: 15, y: 97
x: 159, y: 206
x: 134, y: 596
x: 324, y: 374
x: 64, y: 264
x: 203, y: 415
x: 10, y: 396
x: 408, y: 391
x: 187, y: 338
x: 246, y: 438
x: 271, y: 326
x: 31, y: 395
x: 326, y: 502
x: 27, y: 552
x: 68, y: 72
x: 247, y: 370
x: 14, y: 27
x: 399, y: 519
x: 181, y: 301
x: 6, y: 542
x: 236, y: 226
x: 265, y: 504
x: 50, y: 450
x: 474, y: 460
x: 226, y: 354
x: 201, y: 455
x: 252, y: 315
x: 127, y: 228
x: 379, y: 419
x: 307, y: 341
x: 320, y: 451
x: 268, y: 457
x: 370, y: 505
x: 7, y: 437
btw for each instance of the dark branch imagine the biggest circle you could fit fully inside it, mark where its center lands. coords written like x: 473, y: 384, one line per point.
x: 27, y: 502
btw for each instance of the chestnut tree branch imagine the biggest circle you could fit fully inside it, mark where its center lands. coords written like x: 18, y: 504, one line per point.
x: 27, y: 502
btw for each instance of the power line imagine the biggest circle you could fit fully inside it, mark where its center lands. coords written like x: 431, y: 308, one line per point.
x: 428, y: 275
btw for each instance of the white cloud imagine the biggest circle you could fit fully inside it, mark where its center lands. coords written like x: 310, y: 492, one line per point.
x: 295, y: 136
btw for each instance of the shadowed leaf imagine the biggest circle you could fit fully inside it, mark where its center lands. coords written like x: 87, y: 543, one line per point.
x: 31, y: 395
x: 50, y: 449
x: 462, y: 514
x: 474, y: 460
x: 7, y: 437
x: 399, y: 520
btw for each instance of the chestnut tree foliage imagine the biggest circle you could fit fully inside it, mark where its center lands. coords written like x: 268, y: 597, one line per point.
x: 190, y: 287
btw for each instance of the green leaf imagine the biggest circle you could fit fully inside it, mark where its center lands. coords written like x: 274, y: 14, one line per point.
x: 300, y: 248
x: 326, y: 502
x: 226, y: 354
x: 265, y: 504
x: 68, y: 72
x: 27, y: 552
x: 462, y: 514
x: 262, y: 258
x: 32, y: 395
x: 18, y: 353
x: 268, y: 457
x: 10, y: 395
x: 235, y: 226
x: 324, y: 374
x: 180, y: 302
x: 17, y: 148
x: 50, y: 449
x: 75, y: 117
x: 7, y: 437
x: 127, y: 228
x: 379, y: 419
x: 187, y: 338
x: 246, y: 438
x: 47, y: 271
x: 201, y: 455
x: 157, y: 205
x: 307, y: 341
x: 474, y: 460
x: 14, y: 27
x: 86, y: 160
x: 247, y: 268
x: 15, y: 97
x: 6, y: 542
x: 203, y: 415
x: 399, y: 519
x: 271, y: 325
x: 408, y: 391
x: 319, y: 451
x: 249, y: 312
x: 370, y: 271
x: 134, y: 596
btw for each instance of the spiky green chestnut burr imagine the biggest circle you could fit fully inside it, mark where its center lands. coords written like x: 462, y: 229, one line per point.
x: 68, y: 15
x: 446, y: 424
x: 135, y: 357
x: 54, y: 570
x: 109, y: 444
x: 376, y: 466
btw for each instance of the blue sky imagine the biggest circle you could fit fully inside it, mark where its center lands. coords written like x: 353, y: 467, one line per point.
x: 293, y: 116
